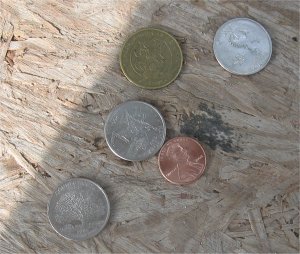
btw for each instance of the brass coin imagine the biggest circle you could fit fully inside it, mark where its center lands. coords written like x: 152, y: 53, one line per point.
x: 151, y: 58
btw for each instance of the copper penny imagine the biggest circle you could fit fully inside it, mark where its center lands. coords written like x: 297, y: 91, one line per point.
x: 182, y: 160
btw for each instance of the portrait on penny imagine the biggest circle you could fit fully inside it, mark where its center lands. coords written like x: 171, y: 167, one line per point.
x: 182, y: 160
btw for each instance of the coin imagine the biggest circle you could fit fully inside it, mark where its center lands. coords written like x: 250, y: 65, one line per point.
x: 151, y: 58
x: 242, y: 46
x: 79, y: 209
x: 135, y: 130
x: 182, y: 160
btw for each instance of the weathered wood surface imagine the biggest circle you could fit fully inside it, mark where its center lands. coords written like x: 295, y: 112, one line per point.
x: 59, y: 79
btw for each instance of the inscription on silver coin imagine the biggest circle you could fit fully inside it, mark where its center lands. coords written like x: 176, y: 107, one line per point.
x: 135, y: 130
x: 79, y: 209
x: 242, y: 46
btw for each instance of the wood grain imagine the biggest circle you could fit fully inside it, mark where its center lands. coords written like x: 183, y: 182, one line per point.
x: 60, y: 77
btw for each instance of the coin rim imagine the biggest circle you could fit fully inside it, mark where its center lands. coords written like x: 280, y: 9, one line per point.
x: 156, y: 29
x: 172, y: 140
x: 228, y: 69
x: 119, y: 106
x: 105, y: 196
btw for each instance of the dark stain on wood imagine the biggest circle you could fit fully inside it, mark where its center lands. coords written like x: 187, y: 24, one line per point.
x: 209, y: 128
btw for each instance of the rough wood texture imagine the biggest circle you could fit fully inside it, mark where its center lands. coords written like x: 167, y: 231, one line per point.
x: 60, y: 77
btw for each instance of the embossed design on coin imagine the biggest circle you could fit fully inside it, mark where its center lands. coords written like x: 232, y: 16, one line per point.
x: 151, y: 58
x: 135, y: 130
x: 242, y: 46
x: 182, y: 160
x: 79, y: 209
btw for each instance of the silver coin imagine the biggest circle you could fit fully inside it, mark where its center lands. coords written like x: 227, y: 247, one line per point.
x: 242, y: 46
x: 79, y: 209
x: 135, y: 130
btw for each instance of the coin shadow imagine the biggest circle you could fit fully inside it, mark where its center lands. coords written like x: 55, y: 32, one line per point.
x: 79, y: 150
x: 210, y: 157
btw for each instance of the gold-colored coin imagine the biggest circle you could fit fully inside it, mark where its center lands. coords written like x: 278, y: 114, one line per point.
x: 151, y: 58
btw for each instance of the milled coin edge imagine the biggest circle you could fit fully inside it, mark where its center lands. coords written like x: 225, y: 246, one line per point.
x: 106, y: 198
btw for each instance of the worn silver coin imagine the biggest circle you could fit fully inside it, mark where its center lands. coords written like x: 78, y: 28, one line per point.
x: 79, y: 209
x: 242, y: 46
x: 135, y: 130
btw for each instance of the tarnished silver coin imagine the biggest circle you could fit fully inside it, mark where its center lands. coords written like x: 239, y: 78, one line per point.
x: 242, y: 46
x: 79, y: 209
x: 135, y: 130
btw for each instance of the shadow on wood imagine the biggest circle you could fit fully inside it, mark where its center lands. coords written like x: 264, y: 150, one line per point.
x: 60, y: 77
